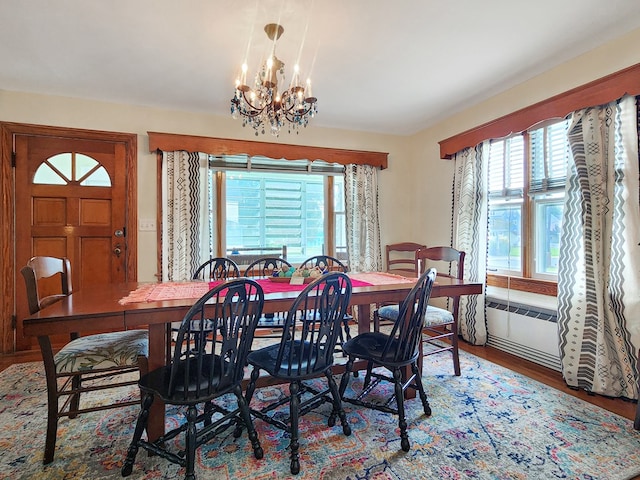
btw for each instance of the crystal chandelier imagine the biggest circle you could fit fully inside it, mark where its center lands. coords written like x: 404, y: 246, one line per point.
x: 264, y: 106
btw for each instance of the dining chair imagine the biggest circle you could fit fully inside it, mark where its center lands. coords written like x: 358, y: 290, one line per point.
x: 440, y: 332
x: 265, y: 267
x: 84, y: 364
x: 217, y: 268
x: 198, y: 376
x: 304, y: 353
x: 327, y: 263
x: 394, y: 351
x: 402, y: 260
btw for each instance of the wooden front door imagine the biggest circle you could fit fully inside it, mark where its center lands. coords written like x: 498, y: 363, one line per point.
x: 71, y: 200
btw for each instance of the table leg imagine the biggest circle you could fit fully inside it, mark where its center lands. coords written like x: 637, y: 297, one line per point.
x: 157, y: 351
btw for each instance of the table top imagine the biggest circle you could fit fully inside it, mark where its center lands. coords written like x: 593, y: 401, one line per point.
x: 101, y: 304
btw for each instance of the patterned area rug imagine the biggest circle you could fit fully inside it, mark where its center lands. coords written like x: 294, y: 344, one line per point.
x: 490, y: 423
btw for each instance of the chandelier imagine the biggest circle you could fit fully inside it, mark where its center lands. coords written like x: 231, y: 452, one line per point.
x: 264, y: 106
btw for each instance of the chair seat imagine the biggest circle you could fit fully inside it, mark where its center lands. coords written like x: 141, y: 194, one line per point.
x: 434, y: 315
x: 291, y: 366
x: 370, y: 346
x: 102, y: 351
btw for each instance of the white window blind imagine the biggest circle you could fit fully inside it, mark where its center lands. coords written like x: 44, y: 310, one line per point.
x: 506, y: 167
x: 549, y: 157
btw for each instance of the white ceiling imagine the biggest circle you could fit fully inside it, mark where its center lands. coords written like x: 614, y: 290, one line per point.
x: 376, y: 65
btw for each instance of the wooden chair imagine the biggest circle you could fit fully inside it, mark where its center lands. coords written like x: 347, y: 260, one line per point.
x: 393, y: 352
x: 264, y: 267
x: 304, y: 353
x: 217, y: 268
x: 401, y: 258
x: 74, y: 369
x: 197, y: 376
x: 440, y: 324
x: 331, y: 264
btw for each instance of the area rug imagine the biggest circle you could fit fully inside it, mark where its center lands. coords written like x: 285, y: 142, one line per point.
x: 490, y: 423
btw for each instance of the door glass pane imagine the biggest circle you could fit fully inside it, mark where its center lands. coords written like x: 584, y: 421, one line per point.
x: 45, y: 175
x: 62, y: 162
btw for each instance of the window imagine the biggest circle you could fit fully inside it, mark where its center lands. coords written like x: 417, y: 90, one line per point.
x: 527, y: 174
x: 271, y: 203
x: 68, y: 168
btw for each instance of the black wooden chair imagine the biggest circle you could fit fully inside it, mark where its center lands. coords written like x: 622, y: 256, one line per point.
x: 305, y: 352
x: 217, y: 268
x: 198, y: 376
x: 265, y: 267
x: 393, y: 352
x: 214, y: 269
x: 440, y: 332
x: 327, y: 263
x: 84, y: 364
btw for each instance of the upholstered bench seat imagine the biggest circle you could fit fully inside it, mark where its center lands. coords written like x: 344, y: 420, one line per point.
x: 102, y: 351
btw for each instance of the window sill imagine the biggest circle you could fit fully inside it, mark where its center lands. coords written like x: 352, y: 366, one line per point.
x: 529, y: 285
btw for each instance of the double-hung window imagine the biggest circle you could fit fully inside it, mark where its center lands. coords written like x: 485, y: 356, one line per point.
x: 527, y: 173
x: 270, y: 203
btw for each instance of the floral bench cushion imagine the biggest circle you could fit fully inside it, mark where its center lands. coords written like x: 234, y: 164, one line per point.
x: 434, y: 315
x: 101, y: 351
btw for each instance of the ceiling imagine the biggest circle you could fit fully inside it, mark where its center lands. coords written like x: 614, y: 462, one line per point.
x: 376, y: 65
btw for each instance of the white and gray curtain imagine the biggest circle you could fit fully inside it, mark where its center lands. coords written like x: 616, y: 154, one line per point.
x: 185, y: 244
x: 361, y: 218
x: 599, y: 267
x: 470, y: 207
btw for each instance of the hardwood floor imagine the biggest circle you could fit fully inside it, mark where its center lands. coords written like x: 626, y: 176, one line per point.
x: 624, y: 408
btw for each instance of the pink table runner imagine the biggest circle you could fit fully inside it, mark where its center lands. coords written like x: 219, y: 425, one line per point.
x: 154, y: 292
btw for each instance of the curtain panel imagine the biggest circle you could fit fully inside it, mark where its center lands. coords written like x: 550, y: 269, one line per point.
x: 599, y: 268
x: 361, y: 218
x: 470, y: 217
x: 185, y: 243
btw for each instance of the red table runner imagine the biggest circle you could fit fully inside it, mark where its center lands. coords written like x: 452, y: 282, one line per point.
x: 154, y: 292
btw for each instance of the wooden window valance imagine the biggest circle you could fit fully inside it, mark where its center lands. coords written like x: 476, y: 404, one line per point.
x: 170, y: 142
x: 598, y: 92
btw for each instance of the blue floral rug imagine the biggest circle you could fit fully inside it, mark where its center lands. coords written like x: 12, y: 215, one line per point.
x: 490, y: 423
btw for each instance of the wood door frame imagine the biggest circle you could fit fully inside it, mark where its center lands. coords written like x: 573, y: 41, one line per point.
x: 8, y: 269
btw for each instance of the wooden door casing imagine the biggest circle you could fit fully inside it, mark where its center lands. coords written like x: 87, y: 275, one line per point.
x: 70, y: 220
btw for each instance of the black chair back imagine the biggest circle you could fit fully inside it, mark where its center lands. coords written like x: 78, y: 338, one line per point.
x: 324, y: 262
x: 217, y: 268
x: 402, y: 346
x: 233, y: 308
x: 312, y: 327
x: 264, y: 267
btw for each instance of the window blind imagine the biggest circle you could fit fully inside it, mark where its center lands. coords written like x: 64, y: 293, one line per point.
x: 506, y: 167
x: 549, y: 157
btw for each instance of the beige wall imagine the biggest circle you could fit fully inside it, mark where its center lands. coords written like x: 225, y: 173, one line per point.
x: 415, y: 190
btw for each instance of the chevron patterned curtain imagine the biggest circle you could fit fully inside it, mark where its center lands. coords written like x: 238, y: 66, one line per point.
x: 470, y: 207
x: 361, y: 218
x: 599, y: 267
x: 185, y: 243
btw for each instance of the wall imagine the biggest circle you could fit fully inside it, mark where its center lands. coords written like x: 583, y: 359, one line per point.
x: 77, y: 113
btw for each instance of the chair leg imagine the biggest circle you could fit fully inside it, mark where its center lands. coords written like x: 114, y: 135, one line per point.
x: 190, y: 443
x: 344, y: 381
x: 454, y: 349
x: 141, y: 424
x: 52, y: 427
x: 402, y: 422
x: 246, y: 417
x: 337, y: 405
x: 294, y: 390
x: 423, y: 395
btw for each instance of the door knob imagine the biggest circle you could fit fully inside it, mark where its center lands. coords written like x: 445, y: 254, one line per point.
x: 117, y: 250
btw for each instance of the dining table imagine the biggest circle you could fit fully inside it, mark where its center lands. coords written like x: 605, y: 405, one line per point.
x: 153, y: 306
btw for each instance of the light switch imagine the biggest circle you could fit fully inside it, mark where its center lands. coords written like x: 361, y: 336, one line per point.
x: 146, y: 225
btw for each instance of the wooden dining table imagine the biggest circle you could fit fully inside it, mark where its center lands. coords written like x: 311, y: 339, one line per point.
x: 101, y: 308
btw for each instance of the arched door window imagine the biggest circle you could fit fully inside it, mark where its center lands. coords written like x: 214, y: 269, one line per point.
x: 72, y: 168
